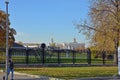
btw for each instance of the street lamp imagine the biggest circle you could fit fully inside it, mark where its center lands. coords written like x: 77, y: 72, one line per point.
x: 7, y: 34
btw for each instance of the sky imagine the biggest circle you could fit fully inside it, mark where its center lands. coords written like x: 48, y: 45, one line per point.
x: 37, y: 21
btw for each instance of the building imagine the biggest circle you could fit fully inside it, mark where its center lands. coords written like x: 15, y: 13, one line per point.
x: 72, y: 45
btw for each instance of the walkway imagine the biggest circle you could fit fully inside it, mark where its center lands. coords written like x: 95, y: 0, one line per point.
x: 22, y: 76
x: 19, y: 76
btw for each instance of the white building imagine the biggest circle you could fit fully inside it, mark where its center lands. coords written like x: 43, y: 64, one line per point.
x: 73, y: 45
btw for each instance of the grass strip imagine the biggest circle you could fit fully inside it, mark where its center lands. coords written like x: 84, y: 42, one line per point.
x: 71, y: 72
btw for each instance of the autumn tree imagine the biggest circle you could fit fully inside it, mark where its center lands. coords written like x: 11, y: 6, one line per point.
x: 12, y: 31
x: 104, y: 30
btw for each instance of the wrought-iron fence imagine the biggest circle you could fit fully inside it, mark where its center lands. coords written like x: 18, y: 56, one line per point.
x: 57, y: 56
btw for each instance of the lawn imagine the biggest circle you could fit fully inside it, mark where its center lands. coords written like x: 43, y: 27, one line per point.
x: 71, y: 72
x: 32, y: 59
x: 19, y: 57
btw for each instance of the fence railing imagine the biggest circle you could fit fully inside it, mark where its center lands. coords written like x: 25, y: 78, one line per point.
x: 57, y: 56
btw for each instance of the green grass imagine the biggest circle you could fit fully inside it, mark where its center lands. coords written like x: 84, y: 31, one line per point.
x: 80, y: 58
x: 32, y: 59
x: 71, y: 72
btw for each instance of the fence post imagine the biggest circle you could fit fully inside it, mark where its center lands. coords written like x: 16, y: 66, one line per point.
x: 58, y: 56
x: 10, y: 52
x: 88, y: 55
x: 27, y: 55
x: 103, y: 56
x: 43, y: 45
x: 73, y: 56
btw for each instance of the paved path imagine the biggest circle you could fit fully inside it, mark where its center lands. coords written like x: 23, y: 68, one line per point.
x: 99, y: 78
x: 19, y: 76
x: 24, y: 77
x: 31, y: 77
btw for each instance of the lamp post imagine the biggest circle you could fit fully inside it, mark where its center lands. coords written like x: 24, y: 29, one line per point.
x: 7, y: 34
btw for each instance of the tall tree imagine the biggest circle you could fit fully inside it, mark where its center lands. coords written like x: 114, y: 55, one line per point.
x: 12, y: 31
x: 105, y: 24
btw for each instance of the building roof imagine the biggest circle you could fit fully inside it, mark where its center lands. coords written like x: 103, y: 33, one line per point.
x: 17, y: 45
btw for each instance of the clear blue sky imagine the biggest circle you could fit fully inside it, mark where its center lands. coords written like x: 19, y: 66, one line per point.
x: 38, y: 21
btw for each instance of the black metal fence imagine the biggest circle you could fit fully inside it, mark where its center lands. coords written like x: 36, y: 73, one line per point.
x: 57, y: 56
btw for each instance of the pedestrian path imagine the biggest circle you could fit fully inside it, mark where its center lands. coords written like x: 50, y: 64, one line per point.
x: 23, y: 76
x: 16, y: 77
x: 100, y: 78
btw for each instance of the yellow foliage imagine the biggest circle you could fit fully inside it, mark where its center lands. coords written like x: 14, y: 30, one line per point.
x: 3, y: 30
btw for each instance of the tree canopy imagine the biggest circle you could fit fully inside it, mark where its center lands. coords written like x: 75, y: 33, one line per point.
x: 12, y: 31
x: 104, y: 29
